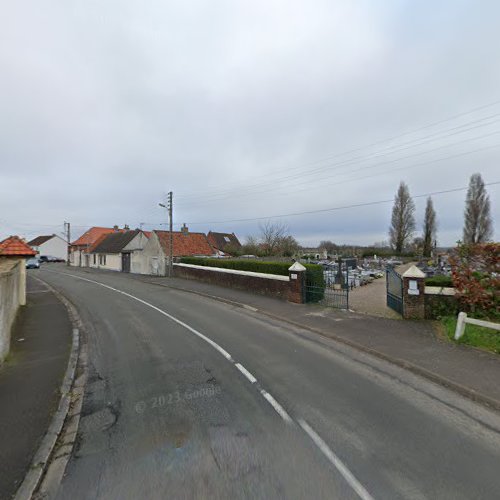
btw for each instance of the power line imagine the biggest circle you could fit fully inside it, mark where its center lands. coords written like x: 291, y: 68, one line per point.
x: 357, y: 178
x: 430, y: 125
x: 309, y: 212
x: 251, y: 188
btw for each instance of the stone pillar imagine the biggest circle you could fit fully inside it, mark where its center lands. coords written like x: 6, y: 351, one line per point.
x: 414, y: 293
x: 297, y: 275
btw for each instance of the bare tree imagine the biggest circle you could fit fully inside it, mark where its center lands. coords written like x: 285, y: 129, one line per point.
x: 271, y: 235
x: 403, y: 219
x: 250, y: 247
x: 430, y: 228
x: 288, y: 246
x: 478, y: 225
x: 328, y: 245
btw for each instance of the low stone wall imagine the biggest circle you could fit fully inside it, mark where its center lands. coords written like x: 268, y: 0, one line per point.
x: 264, y: 284
x: 10, y: 283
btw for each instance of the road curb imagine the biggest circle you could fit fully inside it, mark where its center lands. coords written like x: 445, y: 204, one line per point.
x: 40, y: 461
x: 475, y: 396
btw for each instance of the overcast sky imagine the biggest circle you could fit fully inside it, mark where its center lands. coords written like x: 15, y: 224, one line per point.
x: 245, y: 110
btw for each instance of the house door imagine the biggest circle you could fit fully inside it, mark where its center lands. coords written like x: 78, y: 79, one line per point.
x: 125, y: 262
x: 154, y: 266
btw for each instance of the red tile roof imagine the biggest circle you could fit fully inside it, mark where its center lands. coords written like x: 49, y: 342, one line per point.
x: 185, y: 244
x: 15, y: 246
x: 90, y: 236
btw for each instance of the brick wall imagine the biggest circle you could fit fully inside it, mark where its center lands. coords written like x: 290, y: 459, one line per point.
x: 414, y: 307
x: 277, y: 286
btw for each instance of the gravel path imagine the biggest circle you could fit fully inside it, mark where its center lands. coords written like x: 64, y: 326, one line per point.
x: 371, y: 299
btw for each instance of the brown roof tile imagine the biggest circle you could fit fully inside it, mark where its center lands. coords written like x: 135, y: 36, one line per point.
x: 15, y: 246
x: 185, y: 244
x: 222, y: 240
x: 90, y: 236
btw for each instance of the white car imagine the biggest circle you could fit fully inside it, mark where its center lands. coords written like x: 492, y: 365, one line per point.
x: 33, y: 264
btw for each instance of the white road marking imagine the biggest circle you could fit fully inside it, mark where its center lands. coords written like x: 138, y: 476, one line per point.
x: 250, y: 308
x: 279, y: 409
x: 245, y: 372
x: 173, y: 318
x: 339, y: 465
x: 330, y: 455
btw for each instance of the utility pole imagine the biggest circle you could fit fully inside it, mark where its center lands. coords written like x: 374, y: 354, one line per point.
x: 67, y: 229
x: 171, y: 224
x: 170, y: 209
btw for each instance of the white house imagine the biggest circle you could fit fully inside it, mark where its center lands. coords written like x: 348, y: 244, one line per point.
x: 155, y: 255
x: 52, y: 245
x: 119, y: 251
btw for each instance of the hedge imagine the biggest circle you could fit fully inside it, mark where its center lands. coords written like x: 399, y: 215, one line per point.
x: 314, y: 273
x: 439, y: 281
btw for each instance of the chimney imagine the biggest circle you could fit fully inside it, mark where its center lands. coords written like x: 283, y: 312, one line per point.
x: 115, y: 228
x: 126, y: 227
x: 184, y: 229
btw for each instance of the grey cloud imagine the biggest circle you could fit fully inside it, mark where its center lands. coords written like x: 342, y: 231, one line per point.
x: 106, y: 106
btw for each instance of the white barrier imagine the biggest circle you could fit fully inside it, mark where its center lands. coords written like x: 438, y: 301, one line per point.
x: 463, y: 320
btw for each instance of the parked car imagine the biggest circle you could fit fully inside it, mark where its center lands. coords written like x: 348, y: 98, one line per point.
x: 55, y: 259
x: 50, y: 259
x: 33, y: 264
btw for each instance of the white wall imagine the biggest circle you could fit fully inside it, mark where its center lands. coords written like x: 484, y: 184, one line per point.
x: 77, y: 258
x: 113, y: 261
x: 12, y: 295
x: 151, y: 253
x: 56, y: 247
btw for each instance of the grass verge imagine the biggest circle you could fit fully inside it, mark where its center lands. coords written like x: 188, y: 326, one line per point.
x: 476, y: 336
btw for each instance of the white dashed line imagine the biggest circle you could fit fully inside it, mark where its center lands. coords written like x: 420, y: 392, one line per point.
x: 339, y: 465
x: 250, y: 308
x: 245, y: 372
x: 279, y: 409
x: 329, y: 454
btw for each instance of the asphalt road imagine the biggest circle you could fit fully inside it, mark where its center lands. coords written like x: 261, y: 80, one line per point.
x: 171, y: 411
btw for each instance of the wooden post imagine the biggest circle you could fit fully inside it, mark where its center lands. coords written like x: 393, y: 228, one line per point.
x: 460, y: 329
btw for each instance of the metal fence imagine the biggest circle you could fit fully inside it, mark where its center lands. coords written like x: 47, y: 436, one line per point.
x: 329, y: 288
x: 394, y: 290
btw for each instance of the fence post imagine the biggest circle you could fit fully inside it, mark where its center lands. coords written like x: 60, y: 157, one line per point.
x: 297, y: 275
x: 460, y: 329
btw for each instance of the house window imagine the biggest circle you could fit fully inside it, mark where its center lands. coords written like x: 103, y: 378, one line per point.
x: 104, y: 258
x: 226, y: 239
x: 95, y: 258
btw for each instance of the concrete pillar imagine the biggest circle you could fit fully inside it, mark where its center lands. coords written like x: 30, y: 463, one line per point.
x: 297, y: 275
x: 21, y: 274
x: 414, y: 293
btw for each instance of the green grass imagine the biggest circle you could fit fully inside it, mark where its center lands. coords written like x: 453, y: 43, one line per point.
x: 476, y: 336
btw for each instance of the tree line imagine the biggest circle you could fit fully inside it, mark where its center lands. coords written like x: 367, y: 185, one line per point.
x: 478, y: 224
